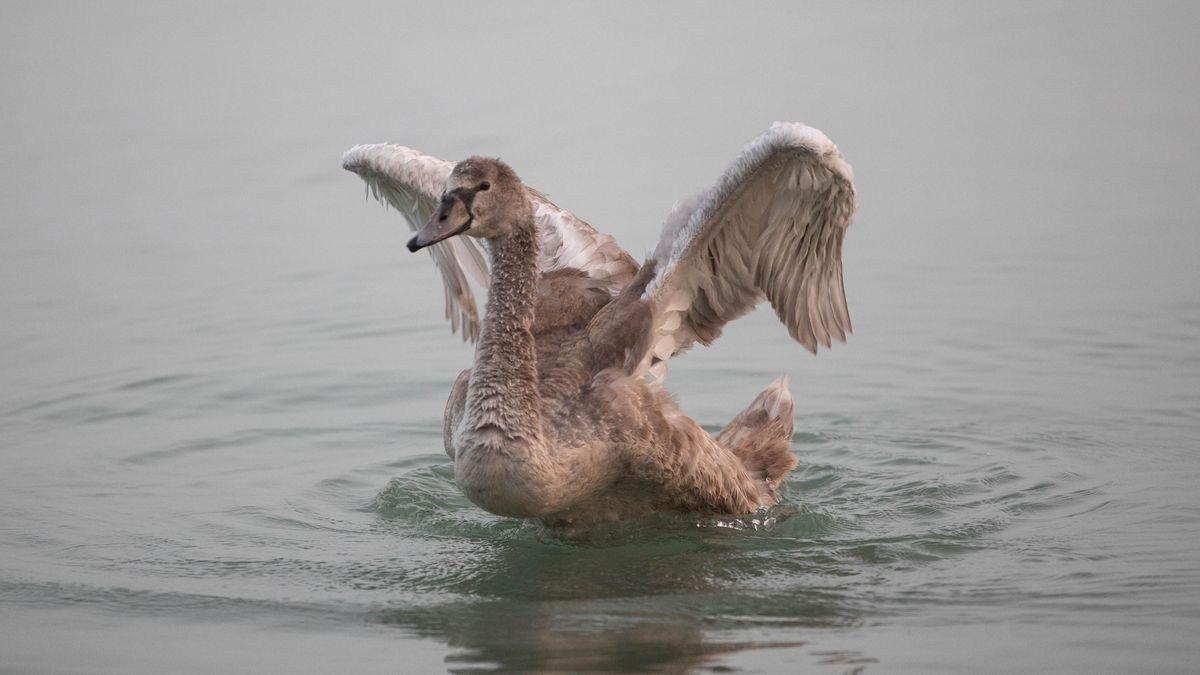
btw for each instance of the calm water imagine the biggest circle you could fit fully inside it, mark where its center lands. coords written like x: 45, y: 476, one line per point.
x: 222, y: 377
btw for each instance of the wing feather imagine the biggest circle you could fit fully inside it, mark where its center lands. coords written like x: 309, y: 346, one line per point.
x: 570, y: 243
x: 412, y: 183
x: 772, y: 227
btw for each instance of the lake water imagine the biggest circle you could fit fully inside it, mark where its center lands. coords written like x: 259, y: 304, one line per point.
x: 222, y: 376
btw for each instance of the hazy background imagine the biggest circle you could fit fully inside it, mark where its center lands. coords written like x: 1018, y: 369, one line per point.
x: 215, y: 357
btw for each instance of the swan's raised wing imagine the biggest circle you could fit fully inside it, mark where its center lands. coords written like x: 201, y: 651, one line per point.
x: 570, y: 243
x: 412, y: 182
x: 772, y: 228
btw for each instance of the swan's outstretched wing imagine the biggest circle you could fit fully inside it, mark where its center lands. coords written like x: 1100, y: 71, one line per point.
x: 771, y: 228
x: 570, y: 243
x: 412, y: 182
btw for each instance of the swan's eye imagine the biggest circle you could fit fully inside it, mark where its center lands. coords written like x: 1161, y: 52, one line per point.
x: 484, y: 186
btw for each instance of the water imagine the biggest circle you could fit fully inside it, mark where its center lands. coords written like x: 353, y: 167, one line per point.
x: 223, y: 377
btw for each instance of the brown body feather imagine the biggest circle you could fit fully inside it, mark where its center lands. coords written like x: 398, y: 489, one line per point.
x: 552, y: 424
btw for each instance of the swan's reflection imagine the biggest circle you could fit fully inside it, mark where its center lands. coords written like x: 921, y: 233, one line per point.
x: 629, y: 600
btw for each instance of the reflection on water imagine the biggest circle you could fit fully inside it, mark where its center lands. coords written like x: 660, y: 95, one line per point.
x: 223, y: 378
x: 527, y: 637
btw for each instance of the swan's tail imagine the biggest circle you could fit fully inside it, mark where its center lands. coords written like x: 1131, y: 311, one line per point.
x: 761, y: 435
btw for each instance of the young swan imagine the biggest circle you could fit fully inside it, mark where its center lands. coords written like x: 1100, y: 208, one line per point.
x: 557, y: 419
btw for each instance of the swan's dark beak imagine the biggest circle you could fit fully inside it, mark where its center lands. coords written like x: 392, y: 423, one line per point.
x: 453, y: 217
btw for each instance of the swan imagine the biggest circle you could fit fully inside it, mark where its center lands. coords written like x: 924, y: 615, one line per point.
x: 565, y: 416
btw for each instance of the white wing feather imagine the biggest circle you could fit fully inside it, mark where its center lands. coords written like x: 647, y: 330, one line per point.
x: 771, y: 227
x: 570, y: 243
x: 413, y: 182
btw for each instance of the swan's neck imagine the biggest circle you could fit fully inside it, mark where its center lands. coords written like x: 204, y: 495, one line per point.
x: 503, y: 395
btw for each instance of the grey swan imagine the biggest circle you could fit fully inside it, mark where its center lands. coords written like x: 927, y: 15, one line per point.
x: 564, y: 416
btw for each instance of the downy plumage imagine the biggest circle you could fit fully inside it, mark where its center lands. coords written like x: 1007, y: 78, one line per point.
x: 564, y: 416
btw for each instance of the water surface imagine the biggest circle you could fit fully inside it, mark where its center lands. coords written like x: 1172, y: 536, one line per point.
x: 223, y: 377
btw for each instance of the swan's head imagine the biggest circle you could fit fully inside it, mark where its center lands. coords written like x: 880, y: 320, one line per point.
x: 483, y: 198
